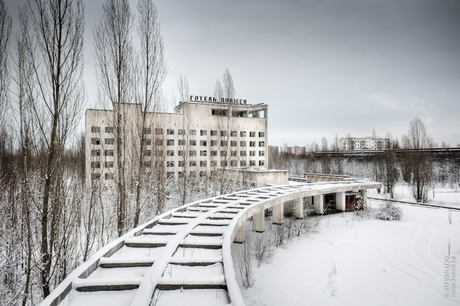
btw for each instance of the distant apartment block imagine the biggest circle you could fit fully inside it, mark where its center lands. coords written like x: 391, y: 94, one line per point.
x: 199, y: 137
x: 367, y: 143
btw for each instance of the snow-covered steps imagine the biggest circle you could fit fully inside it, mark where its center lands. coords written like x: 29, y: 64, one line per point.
x: 182, y: 257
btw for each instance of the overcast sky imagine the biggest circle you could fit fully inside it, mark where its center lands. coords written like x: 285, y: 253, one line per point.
x: 323, y: 67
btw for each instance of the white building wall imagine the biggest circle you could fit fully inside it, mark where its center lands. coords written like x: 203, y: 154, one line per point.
x: 199, y: 140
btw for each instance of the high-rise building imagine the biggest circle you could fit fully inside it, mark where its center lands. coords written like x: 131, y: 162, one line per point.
x: 199, y: 137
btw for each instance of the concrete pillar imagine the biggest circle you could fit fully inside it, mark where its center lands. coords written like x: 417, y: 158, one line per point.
x: 364, y: 196
x: 319, y: 199
x: 278, y: 214
x: 258, y: 221
x: 240, y: 235
x: 298, y: 208
x: 340, y: 201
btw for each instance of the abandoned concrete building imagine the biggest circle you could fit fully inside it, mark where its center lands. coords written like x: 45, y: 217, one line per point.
x: 366, y: 143
x: 198, y: 138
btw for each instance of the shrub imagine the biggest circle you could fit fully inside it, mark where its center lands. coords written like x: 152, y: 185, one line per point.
x: 389, y: 211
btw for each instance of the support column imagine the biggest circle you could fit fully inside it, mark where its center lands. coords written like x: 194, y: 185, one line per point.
x: 364, y: 197
x: 298, y: 208
x: 318, y: 200
x: 240, y: 235
x: 278, y: 214
x: 340, y: 201
x: 258, y: 221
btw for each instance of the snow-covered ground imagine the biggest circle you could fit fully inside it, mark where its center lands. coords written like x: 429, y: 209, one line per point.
x: 367, y: 262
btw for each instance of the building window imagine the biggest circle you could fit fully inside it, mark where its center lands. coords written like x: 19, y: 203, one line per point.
x: 213, y: 163
x: 170, y: 153
x: 169, y: 175
x: 193, y: 163
x: 223, y: 133
x: 233, y: 133
x: 158, y: 142
x: 169, y: 142
x: 243, y: 153
x: 233, y: 143
x: 109, y: 129
x: 192, y: 132
x: 213, y: 133
x: 261, y: 162
x: 219, y: 112
x: 147, y: 142
x: 108, y: 152
x: 233, y: 163
x: 95, y: 152
x: 252, y: 163
x: 223, y: 153
x: 234, y: 153
x: 95, y: 141
x: 243, y: 134
x: 170, y: 132
x: 170, y: 163
x: 181, y: 163
x: 108, y: 164
x: 95, y: 165
x: 109, y: 176
x: 242, y: 143
x: 181, y: 132
x: 158, y: 131
x: 203, y: 163
x: 192, y: 153
x: 243, y: 163
x: 95, y: 176
x: 261, y: 143
x: 181, y: 142
x: 261, y: 134
x: 203, y: 143
x: 95, y: 129
x: 223, y: 163
x: 181, y: 153
x: 203, y: 153
x: 252, y: 153
x: 193, y: 142
x: 147, y: 131
x: 261, y: 153
x: 213, y: 143
x: 109, y: 141
x: 213, y: 153
x: 203, y: 132
x: 252, y: 143
x: 252, y: 134
x: 223, y: 143
x: 148, y: 153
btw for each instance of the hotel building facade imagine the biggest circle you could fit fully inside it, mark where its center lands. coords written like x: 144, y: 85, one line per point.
x: 201, y: 136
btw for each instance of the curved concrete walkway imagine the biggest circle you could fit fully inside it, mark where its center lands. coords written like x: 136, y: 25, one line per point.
x: 183, y: 255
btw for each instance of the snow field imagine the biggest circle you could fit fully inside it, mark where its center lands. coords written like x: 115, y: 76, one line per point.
x: 363, y: 262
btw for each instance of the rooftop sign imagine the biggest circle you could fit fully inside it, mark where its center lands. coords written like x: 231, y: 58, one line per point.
x: 214, y: 100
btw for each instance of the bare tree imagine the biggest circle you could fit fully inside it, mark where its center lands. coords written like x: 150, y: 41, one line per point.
x: 245, y: 265
x: 114, y: 62
x: 417, y: 164
x: 151, y: 74
x: 24, y: 80
x: 56, y: 58
x: 5, y: 33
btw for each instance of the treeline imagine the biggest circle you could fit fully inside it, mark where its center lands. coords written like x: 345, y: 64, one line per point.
x: 418, y: 167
